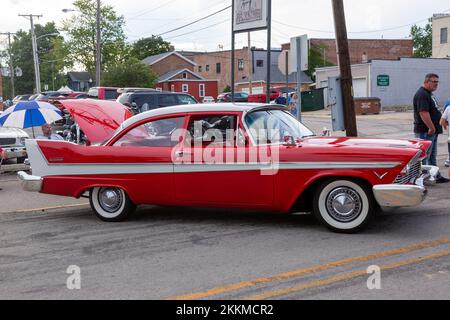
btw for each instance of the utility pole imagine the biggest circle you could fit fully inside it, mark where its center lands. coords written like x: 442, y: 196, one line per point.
x: 11, y: 66
x: 98, y: 53
x: 37, y: 73
x: 345, y: 68
x: 250, y: 65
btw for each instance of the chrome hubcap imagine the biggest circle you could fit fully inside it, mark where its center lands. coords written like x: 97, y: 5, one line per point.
x: 344, y: 204
x: 110, y: 199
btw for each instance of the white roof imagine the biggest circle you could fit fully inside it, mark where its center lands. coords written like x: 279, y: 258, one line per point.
x: 189, y: 108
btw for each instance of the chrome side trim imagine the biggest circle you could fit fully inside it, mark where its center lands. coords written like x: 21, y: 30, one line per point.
x: 30, y: 183
x: 393, y: 195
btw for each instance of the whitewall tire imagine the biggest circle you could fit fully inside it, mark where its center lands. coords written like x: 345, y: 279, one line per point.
x: 111, y: 204
x: 343, y: 205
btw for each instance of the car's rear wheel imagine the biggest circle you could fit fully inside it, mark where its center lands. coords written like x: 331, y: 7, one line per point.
x: 111, y: 204
x: 344, y: 206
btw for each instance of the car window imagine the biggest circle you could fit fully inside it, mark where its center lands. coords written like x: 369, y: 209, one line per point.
x: 217, y: 130
x: 111, y: 94
x: 144, y: 102
x: 271, y: 126
x: 152, y: 134
x: 167, y: 100
x: 185, y: 99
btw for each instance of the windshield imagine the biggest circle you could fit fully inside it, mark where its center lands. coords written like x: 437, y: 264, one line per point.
x: 272, y: 126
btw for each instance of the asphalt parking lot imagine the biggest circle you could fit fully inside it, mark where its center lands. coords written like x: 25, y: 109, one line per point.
x: 183, y: 253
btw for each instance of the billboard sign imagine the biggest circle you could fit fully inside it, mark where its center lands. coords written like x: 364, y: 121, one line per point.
x: 250, y: 15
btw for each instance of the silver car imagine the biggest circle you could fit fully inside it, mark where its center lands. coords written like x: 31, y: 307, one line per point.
x: 12, y: 141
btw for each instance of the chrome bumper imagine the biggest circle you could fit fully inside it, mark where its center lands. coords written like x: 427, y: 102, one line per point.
x: 396, y: 195
x: 15, y: 152
x: 29, y: 182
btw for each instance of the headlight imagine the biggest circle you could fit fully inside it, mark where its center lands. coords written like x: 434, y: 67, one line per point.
x: 22, y: 140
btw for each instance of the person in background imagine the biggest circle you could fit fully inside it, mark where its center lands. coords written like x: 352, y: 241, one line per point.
x: 281, y: 100
x: 427, y: 119
x: 47, y: 133
x: 293, y: 103
x: 447, y: 162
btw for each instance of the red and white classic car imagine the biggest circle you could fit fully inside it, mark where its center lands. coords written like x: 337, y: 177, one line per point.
x: 229, y: 156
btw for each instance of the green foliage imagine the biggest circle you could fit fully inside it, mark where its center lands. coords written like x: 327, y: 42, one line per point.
x: 317, y: 59
x: 52, y: 54
x: 227, y: 89
x: 423, y: 40
x: 150, y: 46
x: 130, y: 73
x: 81, y: 29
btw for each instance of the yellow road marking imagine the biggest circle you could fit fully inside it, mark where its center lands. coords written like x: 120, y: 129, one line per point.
x: 341, y: 278
x: 314, y: 269
x: 47, y: 208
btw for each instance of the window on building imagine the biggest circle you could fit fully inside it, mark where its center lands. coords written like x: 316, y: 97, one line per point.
x: 172, y: 88
x: 207, y: 67
x: 444, y: 35
x: 184, y: 75
x: 200, y: 69
x: 185, y: 88
x: 218, y: 67
x: 201, y: 90
x: 260, y: 63
x: 241, y: 64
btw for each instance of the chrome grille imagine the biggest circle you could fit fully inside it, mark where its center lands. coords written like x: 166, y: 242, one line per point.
x: 413, y: 174
x: 7, y: 141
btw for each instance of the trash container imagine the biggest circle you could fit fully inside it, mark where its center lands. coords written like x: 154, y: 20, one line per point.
x: 367, y: 105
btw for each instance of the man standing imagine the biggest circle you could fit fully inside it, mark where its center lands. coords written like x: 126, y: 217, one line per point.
x: 427, y: 118
x: 47, y: 134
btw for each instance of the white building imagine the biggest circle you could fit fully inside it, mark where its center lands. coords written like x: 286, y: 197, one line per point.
x: 394, y: 82
x: 441, y: 40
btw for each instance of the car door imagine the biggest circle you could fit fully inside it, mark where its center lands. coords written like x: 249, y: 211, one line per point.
x: 216, y: 167
x: 147, y: 149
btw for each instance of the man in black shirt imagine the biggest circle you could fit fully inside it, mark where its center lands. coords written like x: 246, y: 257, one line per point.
x: 427, y: 117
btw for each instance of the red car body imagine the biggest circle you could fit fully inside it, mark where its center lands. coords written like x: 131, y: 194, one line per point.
x: 283, y: 177
x: 261, y: 97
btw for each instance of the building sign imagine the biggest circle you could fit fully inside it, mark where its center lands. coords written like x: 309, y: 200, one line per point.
x: 249, y: 15
x: 383, y: 80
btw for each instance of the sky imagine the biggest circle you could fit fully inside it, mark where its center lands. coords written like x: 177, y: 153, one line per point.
x: 365, y: 19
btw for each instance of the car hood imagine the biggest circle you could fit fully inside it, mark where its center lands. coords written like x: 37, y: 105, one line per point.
x: 368, y: 143
x: 6, y: 132
x: 98, y: 119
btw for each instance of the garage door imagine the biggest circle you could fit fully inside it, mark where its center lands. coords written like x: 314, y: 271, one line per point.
x: 360, y: 87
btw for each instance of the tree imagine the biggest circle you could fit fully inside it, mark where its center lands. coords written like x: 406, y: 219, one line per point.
x: 423, y: 40
x: 317, y: 59
x: 150, y: 46
x: 50, y: 48
x: 131, y: 73
x: 81, y: 30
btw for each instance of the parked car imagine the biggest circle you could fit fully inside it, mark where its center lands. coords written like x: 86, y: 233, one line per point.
x: 238, y: 97
x: 44, y: 96
x: 12, y: 141
x: 142, y: 101
x: 274, y: 93
x: 22, y: 97
x: 276, y: 164
x: 103, y: 93
x: 126, y: 90
x: 208, y: 99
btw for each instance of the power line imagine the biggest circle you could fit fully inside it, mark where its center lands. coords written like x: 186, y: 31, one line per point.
x: 198, y: 20
x: 153, y: 9
x: 194, y: 31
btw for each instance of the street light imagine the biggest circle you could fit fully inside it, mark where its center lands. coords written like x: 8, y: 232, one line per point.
x: 98, y: 50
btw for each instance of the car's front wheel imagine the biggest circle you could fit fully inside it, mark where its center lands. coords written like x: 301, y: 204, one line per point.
x: 111, y: 204
x: 343, y: 205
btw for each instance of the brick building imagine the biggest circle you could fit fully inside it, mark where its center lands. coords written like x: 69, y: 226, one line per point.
x: 363, y: 50
x: 176, y: 73
x: 441, y: 40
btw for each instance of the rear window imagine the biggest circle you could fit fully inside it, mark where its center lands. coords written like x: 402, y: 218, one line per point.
x: 111, y: 94
x: 167, y: 100
x: 185, y: 99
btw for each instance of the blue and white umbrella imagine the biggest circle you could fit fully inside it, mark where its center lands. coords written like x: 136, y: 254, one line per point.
x: 29, y: 114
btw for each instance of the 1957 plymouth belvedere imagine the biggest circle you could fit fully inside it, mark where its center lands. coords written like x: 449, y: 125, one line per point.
x: 223, y: 155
